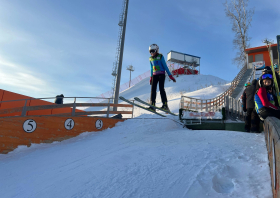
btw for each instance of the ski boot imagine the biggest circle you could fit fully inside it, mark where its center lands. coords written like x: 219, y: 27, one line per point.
x: 165, y: 107
x: 152, y: 108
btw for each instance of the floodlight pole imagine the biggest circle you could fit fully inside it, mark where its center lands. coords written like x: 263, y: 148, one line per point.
x: 118, y: 80
x: 131, y: 69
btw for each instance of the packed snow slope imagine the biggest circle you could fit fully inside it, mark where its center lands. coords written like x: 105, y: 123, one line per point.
x: 144, y: 157
x: 197, y: 86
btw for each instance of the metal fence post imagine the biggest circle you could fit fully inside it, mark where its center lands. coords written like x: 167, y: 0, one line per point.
x: 132, y: 108
x: 74, y: 107
x: 108, y: 108
x: 23, y: 113
x: 182, y: 102
x: 235, y: 101
x: 232, y: 108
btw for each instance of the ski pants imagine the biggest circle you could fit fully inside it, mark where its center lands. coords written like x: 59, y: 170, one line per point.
x: 252, y: 121
x: 248, y: 119
x: 266, y: 112
x: 158, y: 79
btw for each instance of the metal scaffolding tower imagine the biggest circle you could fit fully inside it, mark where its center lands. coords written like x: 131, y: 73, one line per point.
x: 117, y: 65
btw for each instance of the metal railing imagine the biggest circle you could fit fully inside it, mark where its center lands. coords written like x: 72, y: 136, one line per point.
x: 238, y: 77
x: 214, y: 104
x: 232, y: 106
x: 25, y: 108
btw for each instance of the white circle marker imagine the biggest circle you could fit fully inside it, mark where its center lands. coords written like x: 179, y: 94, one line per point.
x: 29, y: 126
x: 69, y: 124
x: 99, y: 124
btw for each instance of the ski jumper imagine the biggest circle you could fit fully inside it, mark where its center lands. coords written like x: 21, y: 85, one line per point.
x: 266, y: 104
x: 158, y: 68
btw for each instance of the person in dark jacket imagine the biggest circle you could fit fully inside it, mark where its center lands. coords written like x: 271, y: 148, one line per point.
x: 59, y: 99
x: 252, y: 120
x: 246, y: 109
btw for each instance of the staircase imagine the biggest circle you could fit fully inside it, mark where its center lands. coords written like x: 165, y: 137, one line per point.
x: 216, y: 104
x: 240, y: 86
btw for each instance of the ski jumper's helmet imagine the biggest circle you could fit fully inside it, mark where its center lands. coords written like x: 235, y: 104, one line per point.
x: 247, y: 84
x: 266, y: 76
x: 154, y: 47
x: 266, y: 69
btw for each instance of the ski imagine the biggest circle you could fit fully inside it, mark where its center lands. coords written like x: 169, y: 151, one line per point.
x: 273, y: 73
x: 143, y: 102
x: 278, y: 49
x: 142, y: 107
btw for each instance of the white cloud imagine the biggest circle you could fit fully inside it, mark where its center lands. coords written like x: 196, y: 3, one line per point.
x: 20, y: 79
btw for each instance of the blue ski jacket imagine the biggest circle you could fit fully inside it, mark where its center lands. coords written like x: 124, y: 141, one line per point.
x: 158, y: 65
x: 264, y: 99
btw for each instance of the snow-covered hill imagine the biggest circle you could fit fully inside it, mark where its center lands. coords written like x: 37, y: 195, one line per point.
x: 143, y: 157
x: 197, y: 86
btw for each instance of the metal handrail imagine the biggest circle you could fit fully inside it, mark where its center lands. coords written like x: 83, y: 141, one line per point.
x: 51, y: 98
x: 219, y: 101
x: 26, y: 108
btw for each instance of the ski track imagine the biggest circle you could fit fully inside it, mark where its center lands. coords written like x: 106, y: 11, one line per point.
x: 169, y: 162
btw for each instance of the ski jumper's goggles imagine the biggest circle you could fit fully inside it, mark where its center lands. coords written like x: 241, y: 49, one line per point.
x: 267, y: 76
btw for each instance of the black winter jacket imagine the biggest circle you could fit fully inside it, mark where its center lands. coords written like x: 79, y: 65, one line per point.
x: 248, y: 98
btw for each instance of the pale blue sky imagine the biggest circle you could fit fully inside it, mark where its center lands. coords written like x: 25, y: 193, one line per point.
x: 49, y: 47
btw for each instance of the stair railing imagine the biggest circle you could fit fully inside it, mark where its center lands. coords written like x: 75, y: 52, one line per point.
x: 232, y: 106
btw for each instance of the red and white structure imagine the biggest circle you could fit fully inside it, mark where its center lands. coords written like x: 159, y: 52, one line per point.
x: 180, y: 63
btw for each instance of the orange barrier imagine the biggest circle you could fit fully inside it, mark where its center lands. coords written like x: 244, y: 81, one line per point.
x: 7, y: 96
x: 36, y: 121
x: 17, y: 131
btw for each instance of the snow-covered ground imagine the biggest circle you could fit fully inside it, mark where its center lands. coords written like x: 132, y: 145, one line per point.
x: 147, y: 156
x: 196, y: 86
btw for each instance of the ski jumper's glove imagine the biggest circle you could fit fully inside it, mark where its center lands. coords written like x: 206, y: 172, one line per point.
x: 150, y: 80
x: 172, y: 78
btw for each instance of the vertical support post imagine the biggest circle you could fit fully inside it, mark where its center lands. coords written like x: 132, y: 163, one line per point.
x: 238, y: 109
x: 182, y: 102
x: 196, y: 104
x: 108, y: 108
x: 235, y: 107
x: 216, y: 104
x: 118, y: 80
x: 132, y: 108
x: 201, y: 107
x: 23, y: 113
x: 232, y: 108
x: 74, y: 107
x: 228, y: 105
x: 225, y: 101
x: 206, y: 106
